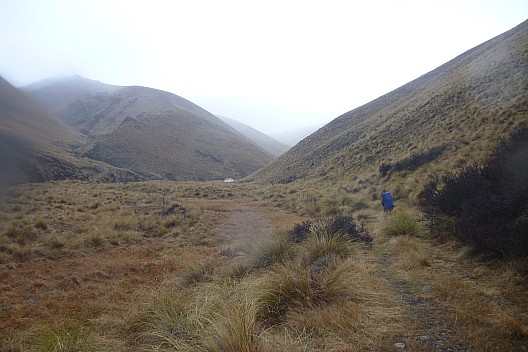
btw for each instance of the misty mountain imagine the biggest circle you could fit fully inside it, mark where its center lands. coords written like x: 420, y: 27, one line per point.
x: 453, y: 115
x: 269, y: 144
x: 154, y: 133
x: 294, y: 136
x: 35, y: 146
x: 57, y: 93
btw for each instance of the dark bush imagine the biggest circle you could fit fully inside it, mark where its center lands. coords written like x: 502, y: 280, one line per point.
x: 486, y: 204
x: 300, y: 232
x: 336, y: 225
x: 174, y: 208
x: 413, y: 162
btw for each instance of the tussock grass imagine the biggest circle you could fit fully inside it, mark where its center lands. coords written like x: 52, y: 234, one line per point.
x: 410, y: 254
x: 401, y: 224
x: 273, y: 250
x: 169, y: 322
x: 189, y: 290
x: 320, y: 245
x: 297, y: 286
x: 62, y: 339
x: 236, y: 328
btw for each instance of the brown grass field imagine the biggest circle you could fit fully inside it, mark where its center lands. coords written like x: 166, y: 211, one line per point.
x: 109, y: 267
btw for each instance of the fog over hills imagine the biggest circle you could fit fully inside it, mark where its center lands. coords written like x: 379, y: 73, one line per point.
x: 292, y: 137
x: 57, y: 93
x: 462, y: 109
x: 268, y: 143
x: 35, y: 146
x: 149, y: 131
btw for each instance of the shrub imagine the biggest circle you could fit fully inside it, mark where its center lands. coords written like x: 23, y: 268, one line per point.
x: 488, y: 203
x: 413, y: 162
x: 338, y: 225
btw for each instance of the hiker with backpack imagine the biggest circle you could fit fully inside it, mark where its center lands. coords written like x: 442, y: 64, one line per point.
x: 387, y: 202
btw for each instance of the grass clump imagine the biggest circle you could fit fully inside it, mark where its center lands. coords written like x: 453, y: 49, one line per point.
x: 274, y: 250
x: 236, y: 328
x: 296, y: 286
x: 401, y: 224
x: 169, y: 322
x: 63, y: 339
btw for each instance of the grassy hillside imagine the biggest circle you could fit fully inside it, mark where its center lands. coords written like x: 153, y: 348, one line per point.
x: 178, y: 145
x: 152, y: 132
x: 35, y: 146
x: 269, y: 144
x: 454, y: 115
x: 101, y: 113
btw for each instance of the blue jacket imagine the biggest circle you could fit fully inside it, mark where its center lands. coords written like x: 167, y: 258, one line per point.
x: 386, y: 200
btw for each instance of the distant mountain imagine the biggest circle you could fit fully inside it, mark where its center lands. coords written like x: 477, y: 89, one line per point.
x: 152, y: 132
x: 442, y: 121
x: 292, y: 137
x: 57, y: 93
x: 177, y: 145
x: 35, y: 146
x: 269, y: 144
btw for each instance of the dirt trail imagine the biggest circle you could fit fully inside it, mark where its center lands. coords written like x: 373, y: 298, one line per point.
x: 429, y: 329
x: 432, y: 331
x: 90, y: 282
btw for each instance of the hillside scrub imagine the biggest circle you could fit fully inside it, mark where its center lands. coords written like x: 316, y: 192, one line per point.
x: 412, y: 162
x: 338, y: 225
x: 486, y: 205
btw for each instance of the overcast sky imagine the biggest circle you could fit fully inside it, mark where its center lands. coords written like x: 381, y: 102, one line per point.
x: 275, y: 65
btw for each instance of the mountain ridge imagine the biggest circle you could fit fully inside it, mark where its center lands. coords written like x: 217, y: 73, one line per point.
x: 105, y: 117
x: 453, y: 105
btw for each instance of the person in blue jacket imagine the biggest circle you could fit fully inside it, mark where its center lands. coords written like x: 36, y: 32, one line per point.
x: 387, y: 201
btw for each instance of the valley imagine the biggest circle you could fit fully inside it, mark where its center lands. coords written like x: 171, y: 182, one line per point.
x: 89, y: 265
x: 118, y: 232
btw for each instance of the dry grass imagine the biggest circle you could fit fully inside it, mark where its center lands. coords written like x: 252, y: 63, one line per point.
x: 104, y: 270
x: 484, y: 303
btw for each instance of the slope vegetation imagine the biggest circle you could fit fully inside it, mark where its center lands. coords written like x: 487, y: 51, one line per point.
x: 35, y: 146
x: 178, y: 145
x: 454, y: 115
x: 151, y: 132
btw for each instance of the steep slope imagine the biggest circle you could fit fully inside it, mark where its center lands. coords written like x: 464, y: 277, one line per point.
x: 35, y: 146
x: 101, y: 113
x: 161, y: 135
x: 454, y: 115
x: 269, y: 144
x: 177, y: 145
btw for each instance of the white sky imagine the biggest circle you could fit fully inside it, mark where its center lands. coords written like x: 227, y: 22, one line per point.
x: 275, y: 65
